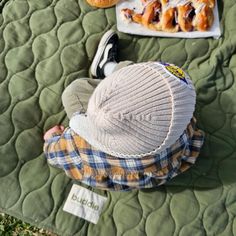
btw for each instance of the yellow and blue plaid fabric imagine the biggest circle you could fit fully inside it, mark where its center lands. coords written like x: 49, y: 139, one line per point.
x: 82, y: 162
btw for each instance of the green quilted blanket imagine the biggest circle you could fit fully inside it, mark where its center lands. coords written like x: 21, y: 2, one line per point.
x: 44, y: 46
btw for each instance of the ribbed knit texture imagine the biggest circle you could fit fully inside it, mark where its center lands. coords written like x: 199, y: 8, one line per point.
x: 139, y: 110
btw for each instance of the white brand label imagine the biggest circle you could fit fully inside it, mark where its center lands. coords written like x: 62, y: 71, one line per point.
x: 84, y: 203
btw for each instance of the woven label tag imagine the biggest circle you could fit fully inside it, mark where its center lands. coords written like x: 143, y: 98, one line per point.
x: 84, y: 203
x: 175, y: 71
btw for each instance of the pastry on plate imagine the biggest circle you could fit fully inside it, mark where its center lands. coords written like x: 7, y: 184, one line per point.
x: 173, y: 15
x: 102, y: 3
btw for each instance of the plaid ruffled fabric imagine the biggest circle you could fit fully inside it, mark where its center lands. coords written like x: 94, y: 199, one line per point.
x: 82, y: 162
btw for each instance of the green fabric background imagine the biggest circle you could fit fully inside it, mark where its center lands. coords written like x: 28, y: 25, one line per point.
x: 44, y: 46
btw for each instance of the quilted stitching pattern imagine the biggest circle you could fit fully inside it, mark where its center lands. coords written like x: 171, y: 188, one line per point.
x: 44, y: 46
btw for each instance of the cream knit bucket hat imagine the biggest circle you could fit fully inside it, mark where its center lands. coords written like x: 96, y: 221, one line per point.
x: 138, y: 110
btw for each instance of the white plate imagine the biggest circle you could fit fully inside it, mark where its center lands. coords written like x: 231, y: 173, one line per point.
x: 134, y: 28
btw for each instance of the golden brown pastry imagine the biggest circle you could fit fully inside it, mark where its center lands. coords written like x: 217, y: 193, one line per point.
x: 131, y: 16
x: 149, y: 18
x: 102, y: 3
x: 204, y: 18
x: 151, y: 13
x: 168, y: 20
x: 186, y: 14
x: 210, y: 3
x: 127, y: 14
x: 164, y: 2
x: 172, y: 16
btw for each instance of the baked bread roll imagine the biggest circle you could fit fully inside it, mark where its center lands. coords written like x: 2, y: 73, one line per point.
x: 164, y: 2
x: 150, y: 17
x: 102, y: 3
x: 209, y: 3
x: 186, y: 14
x: 204, y: 18
x: 169, y: 21
x: 173, y: 15
x: 130, y: 16
x: 151, y: 13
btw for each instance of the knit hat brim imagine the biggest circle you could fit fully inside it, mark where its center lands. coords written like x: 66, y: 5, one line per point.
x: 81, y: 125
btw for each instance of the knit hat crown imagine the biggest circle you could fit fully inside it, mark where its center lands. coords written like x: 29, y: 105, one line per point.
x: 138, y: 110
